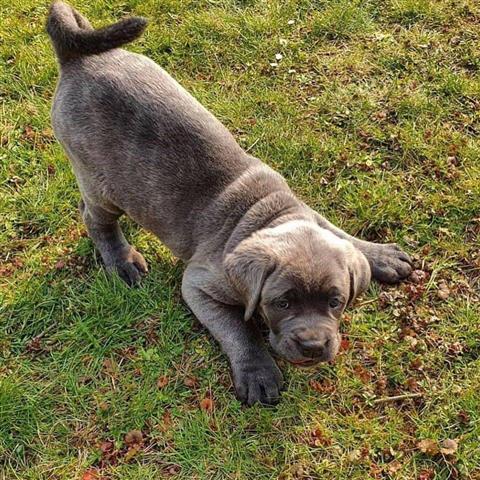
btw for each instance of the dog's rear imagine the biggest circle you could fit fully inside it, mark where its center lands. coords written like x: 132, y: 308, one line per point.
x: 73, y: 36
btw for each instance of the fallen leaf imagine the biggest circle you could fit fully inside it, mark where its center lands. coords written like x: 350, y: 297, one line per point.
x: 354, y: 455
x: 28, y: 133
x: 418, y: 276
x: 90, y: 475
x: 426, y: 474
x: 362, y: 373
x: 325, y: 386
x: 416, y: 364
x: 319, y: 439
x: 48, y: 133
x: 207, y: 404
x: 162, y: 381
x: 35, y: 345
x: 59, y: 265
x: 394, y: 467
x: 428, y: 446
x: 381, y: 385
x: 134, y: 437
x: 110, y: 367
x: 103, y: 406
x: 190, y: 382
x: 106, y: 447
x: 132, y: 451
x: 344, y: 345
x: 449, y: 446
x: 463, y: 417
x: 173, y: 470
x: 443, y: 291
x: 166, y: 424
x: 412, y: 385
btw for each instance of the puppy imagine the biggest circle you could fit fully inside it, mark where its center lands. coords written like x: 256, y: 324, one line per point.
x: 141, y: 145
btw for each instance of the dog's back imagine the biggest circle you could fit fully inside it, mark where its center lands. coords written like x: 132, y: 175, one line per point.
x: 138, y: 142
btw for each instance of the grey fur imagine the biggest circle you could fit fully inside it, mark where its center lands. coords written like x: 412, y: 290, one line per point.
x: 72, y: 34
x: 141, y: 145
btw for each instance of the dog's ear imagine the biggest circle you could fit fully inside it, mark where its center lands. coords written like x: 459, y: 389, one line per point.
x: 247, y: 268
x: 360, y: 275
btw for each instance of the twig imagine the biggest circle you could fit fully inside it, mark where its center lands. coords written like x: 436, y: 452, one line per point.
x: 366, y: 302
x: 397, y: 397
x: 253, y: 144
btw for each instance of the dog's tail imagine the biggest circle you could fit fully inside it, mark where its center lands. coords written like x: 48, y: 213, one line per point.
x: 73, y: 36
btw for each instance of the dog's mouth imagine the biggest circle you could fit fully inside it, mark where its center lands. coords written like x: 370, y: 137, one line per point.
x: 304, y: 363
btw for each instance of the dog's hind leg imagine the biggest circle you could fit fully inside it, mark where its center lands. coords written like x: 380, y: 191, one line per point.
x: 117, y: 254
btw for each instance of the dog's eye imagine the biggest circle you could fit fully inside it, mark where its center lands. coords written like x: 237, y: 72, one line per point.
x: 334, y: 303
x: 282, y: 304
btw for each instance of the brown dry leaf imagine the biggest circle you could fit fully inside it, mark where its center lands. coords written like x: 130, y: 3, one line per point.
x: 381, y: 385
x: 103, y: 406
x: 166, y: 424
x: 35, y: 345
x: 132, y: 451
x: 173, y: 470
x: 394, y: 467
x: 28, y: 133
x: 428, y: 446
x: 449, y: 446
x: 416, y: 364
x: 344, y: 345
x: 443, y: 291
x: 426, y: 474
x: 106, y: 447
x: 418, y: 276
x: 207, y: 404
x: 319, y: 439
x: 190, y: 382
x: 59, y: 265
x: 134, y: 437
x: 463, y: 417
x: 90, y: 474
x: 354, y: 455
x: 412, y: 385
x: 362, y: 373
x: 325, y: 386
x: 162, y: 381
x: 48, y: 133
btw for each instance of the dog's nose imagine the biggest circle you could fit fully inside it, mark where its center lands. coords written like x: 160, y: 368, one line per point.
x: 313, y: 348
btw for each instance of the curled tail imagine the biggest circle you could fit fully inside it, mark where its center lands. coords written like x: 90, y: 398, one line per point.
x: 73, y: 36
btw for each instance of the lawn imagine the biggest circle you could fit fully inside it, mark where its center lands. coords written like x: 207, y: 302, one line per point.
x: 371, y: 110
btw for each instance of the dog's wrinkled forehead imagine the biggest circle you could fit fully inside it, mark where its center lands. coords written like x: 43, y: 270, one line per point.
x: 307, y: 255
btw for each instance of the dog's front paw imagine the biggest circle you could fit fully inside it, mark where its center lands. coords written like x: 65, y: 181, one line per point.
x: 130, y: 266
x: 388, y: 262
x: 257, y: 380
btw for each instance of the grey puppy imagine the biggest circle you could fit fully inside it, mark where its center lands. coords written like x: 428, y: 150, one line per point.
x: 141, y: 145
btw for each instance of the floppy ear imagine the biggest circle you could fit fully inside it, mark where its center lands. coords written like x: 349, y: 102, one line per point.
x: 247, y: 268
x: 360, y: 274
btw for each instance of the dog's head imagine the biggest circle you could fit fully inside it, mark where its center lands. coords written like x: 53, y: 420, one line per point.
x: 300, y: 278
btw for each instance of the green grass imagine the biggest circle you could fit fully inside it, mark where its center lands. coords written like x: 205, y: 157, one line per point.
x: 372, y: 115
